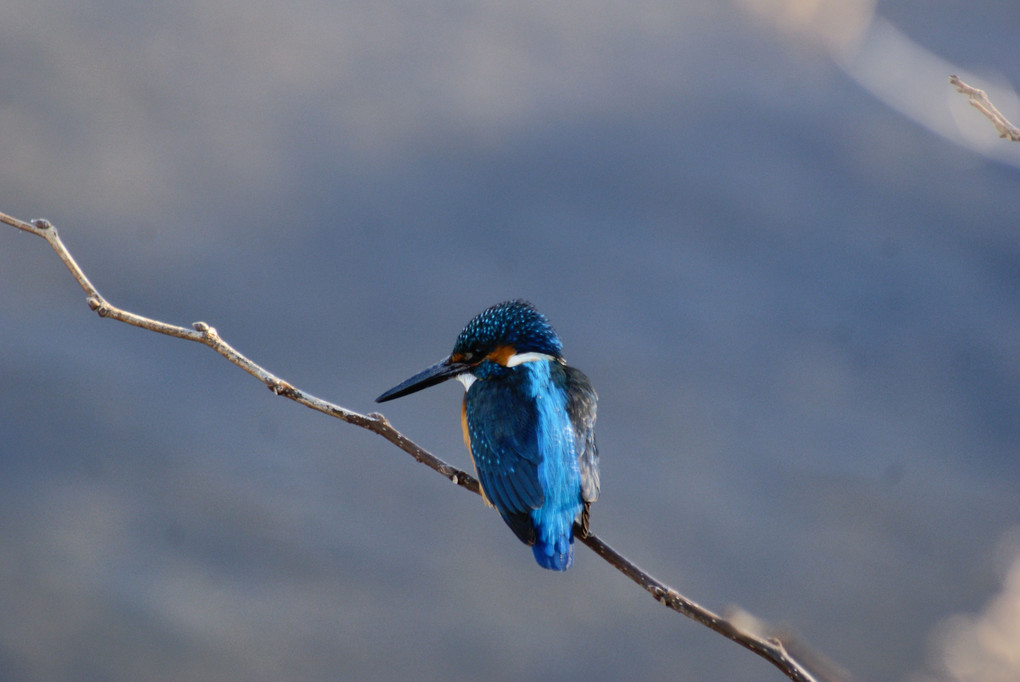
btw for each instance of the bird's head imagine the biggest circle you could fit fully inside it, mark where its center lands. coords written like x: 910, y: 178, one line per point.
x: 505, y: 335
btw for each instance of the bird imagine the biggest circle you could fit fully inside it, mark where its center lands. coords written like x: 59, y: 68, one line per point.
x: 529, y: 424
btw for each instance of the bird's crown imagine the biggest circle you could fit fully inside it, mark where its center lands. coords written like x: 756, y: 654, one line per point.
x: 513, y: 324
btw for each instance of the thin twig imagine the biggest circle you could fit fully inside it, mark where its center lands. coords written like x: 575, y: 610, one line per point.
x: 769, y: 648
x: 979, y: 100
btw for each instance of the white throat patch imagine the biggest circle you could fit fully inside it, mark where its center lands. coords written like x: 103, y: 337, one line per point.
x: 467, y: 378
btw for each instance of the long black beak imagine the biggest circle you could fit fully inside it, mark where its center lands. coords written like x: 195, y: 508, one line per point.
x: 436, y: 374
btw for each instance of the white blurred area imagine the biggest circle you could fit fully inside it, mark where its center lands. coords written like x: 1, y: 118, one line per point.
x: 984, y: 647
x: 837, y: 25
x: 884, y: 60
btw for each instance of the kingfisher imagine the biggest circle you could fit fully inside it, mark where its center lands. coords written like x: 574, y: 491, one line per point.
x: 529, y: 424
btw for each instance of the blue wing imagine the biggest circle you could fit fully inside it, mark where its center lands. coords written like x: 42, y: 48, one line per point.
x: 530, y: 430
x: 502, y: 427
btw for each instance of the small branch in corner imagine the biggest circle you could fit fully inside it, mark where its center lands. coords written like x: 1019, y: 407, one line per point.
x: 979, y: 100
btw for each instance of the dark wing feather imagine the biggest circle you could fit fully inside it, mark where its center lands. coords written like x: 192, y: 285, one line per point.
x: 581, y: 404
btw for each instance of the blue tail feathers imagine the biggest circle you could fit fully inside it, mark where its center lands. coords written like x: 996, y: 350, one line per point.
x: 558, y: 556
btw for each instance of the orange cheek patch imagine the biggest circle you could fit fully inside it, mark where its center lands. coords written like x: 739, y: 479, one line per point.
x: 501, y: 355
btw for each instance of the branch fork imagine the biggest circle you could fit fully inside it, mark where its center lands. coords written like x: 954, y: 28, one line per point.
x: 979, y: 100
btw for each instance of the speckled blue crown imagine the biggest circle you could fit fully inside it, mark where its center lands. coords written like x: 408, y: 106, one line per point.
x: 511, y: 323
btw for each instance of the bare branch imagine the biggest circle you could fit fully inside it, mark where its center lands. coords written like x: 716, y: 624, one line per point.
x: 979, y: 100
x: 754, y: 639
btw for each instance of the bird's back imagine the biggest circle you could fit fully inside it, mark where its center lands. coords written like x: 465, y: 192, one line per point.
x: 529, y: 428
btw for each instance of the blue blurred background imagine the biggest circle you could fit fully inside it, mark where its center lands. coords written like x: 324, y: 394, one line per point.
x: 784, y: 250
